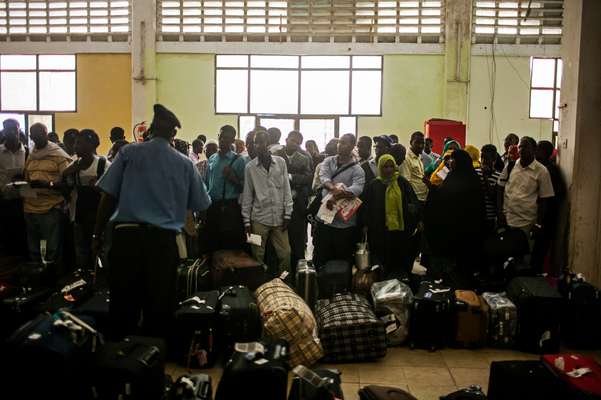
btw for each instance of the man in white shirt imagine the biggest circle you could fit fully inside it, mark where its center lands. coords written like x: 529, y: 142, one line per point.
x: 267, y: 202
x: 412, y: 168
x: 524, y: 188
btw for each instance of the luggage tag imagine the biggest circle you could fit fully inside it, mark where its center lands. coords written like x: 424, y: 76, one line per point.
x: 250, y: 347
x: 284, y: 275
x: 437, y: 291
x: 73, y: 285
x: 374, y: 267
x: 579, y: 372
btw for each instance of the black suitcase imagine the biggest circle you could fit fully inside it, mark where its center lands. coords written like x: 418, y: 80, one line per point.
x: 192, y: 387
x: 334, y: 277
x: 192, y: 277
x: 319, y: 384
x: 473, y: 392
x: 97, y: 306
x: 581, y: 317
x: 20, y: 308
x: 256, y: 371
x: 539, y: 314
x: 531, y: 380
x: 432, y: 323
x: 376, y: 392
x: 196, y: 330
x: 306, y: 283
x: 133, y: 369
x: 239, y: 317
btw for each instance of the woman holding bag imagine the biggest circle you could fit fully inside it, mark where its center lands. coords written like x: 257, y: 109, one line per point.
x: 389, y: 216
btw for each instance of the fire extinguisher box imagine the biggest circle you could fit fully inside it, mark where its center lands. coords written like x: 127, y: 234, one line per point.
x: 439, y: 129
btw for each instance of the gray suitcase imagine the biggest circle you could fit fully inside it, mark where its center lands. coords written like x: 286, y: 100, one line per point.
x: 306, y: 283
x: 503, y: 320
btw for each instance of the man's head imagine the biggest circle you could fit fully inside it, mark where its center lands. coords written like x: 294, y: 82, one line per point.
x: 527, y: 149
x: 417, y: 142
x: 383, y: 145
x: 399, y: 152
x: 211, y: 148
x: 274, y: 135
x: 250, y: 144
x: 182, y: 146
x: 86, y: 143
x: 11, y: 139
x: 10, y: 123
x: 428, y: 143
x: 117, y: 133
x: 202, y: 137
x: 197, y: 146
x: 488, y: 156
x: 311, y: 147
x: 261, y: 143
x: 510, y: 139
x: 227, y: 135
x: 69, y: 140
x: 118, y: 145
x: 39, y: 135
x: 164, y: 123
x: 544, y: 151
x: 240, y: 146
x: 364, y: 147
x: 332, y: 147
x: 53, y: 137
x: 346, y: 145
x: 294, y: 141
x: 394, y: 138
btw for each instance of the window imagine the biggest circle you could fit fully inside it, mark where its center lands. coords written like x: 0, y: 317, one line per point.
x: 298, y: 85
x: 68, y: 17
x: 44, y: 83
x: 413, y: 21
x: 517, y: 21
x: 545, y: 89
x: 26, y: 120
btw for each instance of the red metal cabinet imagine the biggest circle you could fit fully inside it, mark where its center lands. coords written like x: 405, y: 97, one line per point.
x: 439, y: 129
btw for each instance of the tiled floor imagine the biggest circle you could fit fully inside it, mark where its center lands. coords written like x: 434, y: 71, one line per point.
x: 427, y: 375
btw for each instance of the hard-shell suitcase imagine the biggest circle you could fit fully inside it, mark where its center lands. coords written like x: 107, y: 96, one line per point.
x: 255, y: 371
x: 319, y: 384
x: 334, y: 277
x: 539, y: 314
x: 133, y: 367
x: 393, y: 300
x: 192, y: 387
x: 582, y: 375
x: 581, y: 317
x: 306, y: 283
x: 193, y: 277
x: 239, y: 317
x: 432, y: 317
x: 503, y: 320
x: 472, y: 319
x: 196, y: 324
x: 376, y: 392
x: 531, y: 380
x: 349, y: 330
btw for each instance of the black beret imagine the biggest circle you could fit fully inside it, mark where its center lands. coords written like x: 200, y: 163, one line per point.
x: 165, y: 118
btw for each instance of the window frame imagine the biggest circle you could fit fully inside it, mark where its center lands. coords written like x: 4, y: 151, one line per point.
x: 299, y: 69
x: 37, y: 72
x: 297, y: 118
x: 556, y: 89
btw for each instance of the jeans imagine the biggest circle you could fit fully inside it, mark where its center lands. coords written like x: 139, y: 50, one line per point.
x: 46, y: 227
x: 279, y: 240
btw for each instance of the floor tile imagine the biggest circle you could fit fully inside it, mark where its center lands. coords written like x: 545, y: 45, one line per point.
x: 460, y: 358
x: 464, y: 377
x: 431, y: 392
x: 405, y: 357
x: 350, y: 391
x: 390, y: 376
x: 508, y: 355
x: 428, y: 376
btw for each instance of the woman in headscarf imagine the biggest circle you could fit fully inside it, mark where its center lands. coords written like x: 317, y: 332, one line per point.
x: 454, y: 221
x: 389, y: 216
x: 450, y: 145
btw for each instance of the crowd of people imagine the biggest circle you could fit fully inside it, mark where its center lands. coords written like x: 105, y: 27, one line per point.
x: 130, y: 206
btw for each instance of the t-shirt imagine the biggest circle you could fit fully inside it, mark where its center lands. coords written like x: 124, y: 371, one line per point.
x: 85, y: 198
x: 489, y: 184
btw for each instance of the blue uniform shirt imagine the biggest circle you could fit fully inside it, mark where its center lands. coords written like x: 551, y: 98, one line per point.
x: 154, y: 184
x: 216, y: 180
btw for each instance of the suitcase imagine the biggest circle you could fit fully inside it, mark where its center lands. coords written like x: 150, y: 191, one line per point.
x: 504, y: 244
x: 539, y: 314
x: 364, y: 278
x: 75, y: 289
x: 580, y: 386
x: 97, y: 307
x: 286, y: 317
x: 192, y: 387
x: 133, y: 368
x: 334, y: 277
x: 392, y: 300
x: 319, y: 384
x: 432, y: 317
x: 349, y: 330
x: 473, y: 392
x: 376, y: 392
x: 239, y: 318
x: 306, y: 283
x: 21, y: 308
x: 193, y: 277
x: 255, y: 371
x: 48, y: 350
x: 472, y: 319
x: 236, y: 267
x: 581, y: 317
x: 511, y: 380
x: 196, y: 333
x: 503, y: 320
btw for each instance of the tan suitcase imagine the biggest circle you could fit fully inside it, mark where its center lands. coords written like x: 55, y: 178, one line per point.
x: 472, y: 319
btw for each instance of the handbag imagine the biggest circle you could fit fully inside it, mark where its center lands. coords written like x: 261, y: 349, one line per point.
x: 315, y: 204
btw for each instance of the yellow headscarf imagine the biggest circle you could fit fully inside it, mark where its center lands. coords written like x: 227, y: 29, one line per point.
x: 393, y: 200
x: 474, y: 154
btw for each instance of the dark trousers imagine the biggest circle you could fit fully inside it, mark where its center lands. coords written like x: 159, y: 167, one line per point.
x: 142, y: 278
x: 224, y: 227
x: 395, y: 252
x: 13, y: 233
x: 82, y: 236
x: 334, y: 244
x: 297, y: 236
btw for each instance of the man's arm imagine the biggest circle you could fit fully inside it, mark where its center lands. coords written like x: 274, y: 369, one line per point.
x: 288, y: 203
x: 106, y: 208
x: 198, y: 198
x: 247, y: 198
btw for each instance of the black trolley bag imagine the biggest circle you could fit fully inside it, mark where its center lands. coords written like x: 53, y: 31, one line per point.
x: 336, y: 276
x: 581, y: 317
x: 193, y: 276
x: 239, y: 316
x: 256, y: 370
x: 528, y: 380
x: 432, y: 323
x: 318, y: 384
x: 539, y: 314
x: 196, y: 324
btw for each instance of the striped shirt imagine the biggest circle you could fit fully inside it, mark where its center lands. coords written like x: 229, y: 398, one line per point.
x: 489, y: 185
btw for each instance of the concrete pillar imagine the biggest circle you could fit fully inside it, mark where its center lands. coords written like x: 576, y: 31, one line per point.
x: 580, y: 133
x: 143, y: 59
x: 458, y: 30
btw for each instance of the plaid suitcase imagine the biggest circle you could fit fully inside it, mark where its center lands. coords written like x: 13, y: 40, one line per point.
x: 503, y: 320
x: 349, y: 330
x: 286, y: 316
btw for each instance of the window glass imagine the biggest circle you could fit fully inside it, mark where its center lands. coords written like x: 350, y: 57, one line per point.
x: 367, y: 92
x: 325, y: 92
x: 274, y: 92
x: 57, y: 91
x: 18, y: 91
x: 232, y: 91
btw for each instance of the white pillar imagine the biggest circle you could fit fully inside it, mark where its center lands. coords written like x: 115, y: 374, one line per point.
x: 143, y: 59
